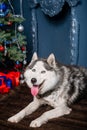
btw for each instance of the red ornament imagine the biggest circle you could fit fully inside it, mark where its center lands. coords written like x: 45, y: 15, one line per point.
x: 9, y: 23
x: 1, y: 48
x: 18, y: 65
x: 23, y: 48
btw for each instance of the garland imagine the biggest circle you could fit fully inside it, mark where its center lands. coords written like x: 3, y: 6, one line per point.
x: 52, y: 7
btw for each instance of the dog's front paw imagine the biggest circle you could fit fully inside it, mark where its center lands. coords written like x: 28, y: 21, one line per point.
x: 68, y: 111
x: 14, y: 119
x: 35, y: 123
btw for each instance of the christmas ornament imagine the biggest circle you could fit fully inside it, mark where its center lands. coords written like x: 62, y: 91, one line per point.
x: 1, y: 24
x: 20, y: 28
x: 7, y: 42
x: 3, y: 14
x: 9, y: 23
x: 3, y: 10
x: 24, y: 62
x: 18, y: 65
x: 23, y: 48
x: 1, y: 48
x: 3, y: 7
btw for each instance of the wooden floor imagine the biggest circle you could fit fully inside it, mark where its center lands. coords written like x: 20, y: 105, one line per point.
x: 18, y: 98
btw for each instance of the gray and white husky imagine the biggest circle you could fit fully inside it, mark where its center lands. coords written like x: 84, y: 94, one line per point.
x: 54, y: 84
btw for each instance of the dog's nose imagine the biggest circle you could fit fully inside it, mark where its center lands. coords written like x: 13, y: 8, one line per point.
x: 33, y: 80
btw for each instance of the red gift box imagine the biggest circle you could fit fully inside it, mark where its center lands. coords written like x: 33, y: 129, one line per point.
x: 14, y: 78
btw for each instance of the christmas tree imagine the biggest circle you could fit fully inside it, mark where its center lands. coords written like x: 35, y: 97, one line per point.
x: 12, y: 40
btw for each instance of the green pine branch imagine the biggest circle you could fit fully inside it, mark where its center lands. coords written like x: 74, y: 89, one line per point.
x: 4, y: 36
x: 21, y: 39
x: 15, y: 54
x: 1, y: 55
x: 11, y: 18
x: 10, y: 34
x: 3, y: 0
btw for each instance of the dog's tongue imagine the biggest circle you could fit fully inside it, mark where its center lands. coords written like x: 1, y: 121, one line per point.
x: 34, y: 90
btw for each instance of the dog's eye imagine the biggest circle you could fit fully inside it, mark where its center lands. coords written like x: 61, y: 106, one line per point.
x: 33, y: 70
x: 43, y: 71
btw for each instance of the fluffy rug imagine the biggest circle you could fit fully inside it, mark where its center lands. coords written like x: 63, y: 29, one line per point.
x: 18, y: 98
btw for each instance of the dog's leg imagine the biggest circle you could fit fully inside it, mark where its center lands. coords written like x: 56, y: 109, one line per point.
x: 26, y: 111
x: 57, y: 112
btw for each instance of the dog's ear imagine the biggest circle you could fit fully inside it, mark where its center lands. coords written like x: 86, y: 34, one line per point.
x: 51, y: 60
x: 34, y: 57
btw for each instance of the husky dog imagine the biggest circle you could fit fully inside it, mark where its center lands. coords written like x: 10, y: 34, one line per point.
x: 54, y: 84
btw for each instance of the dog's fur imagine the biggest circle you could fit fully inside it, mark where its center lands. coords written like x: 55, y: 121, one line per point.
x: 59, y: 86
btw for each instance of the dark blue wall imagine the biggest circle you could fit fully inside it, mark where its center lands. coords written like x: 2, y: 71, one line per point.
x: 54, y: 32
x: 82, y: 17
